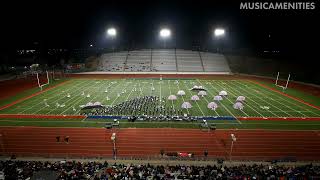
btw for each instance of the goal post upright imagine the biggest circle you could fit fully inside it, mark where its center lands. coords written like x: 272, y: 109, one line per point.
x: 277, y: 78
x: 41, y: 85
x: 287, y: 82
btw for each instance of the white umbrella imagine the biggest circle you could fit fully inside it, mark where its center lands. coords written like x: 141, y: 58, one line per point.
x: 172, y: 97
x: 97, y: 104
x: 241, y: 98
x: 223, y: 93
x: 181, y: 93
x: 212, y: 105
x: 186, y: 105
x: 202, y: 93
x: 195, y: 98
x: 89, y: 104
x: 217, y: 98
x: 238, y: 105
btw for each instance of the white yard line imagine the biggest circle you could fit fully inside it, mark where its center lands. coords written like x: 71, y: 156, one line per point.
x: 284, y: 104
x: 182, y: 96
x: 247, y: 104
x: 254, y: 100
x: 170, y: 94
x: 120, y: 96
x: 76, y: 97
x: 80, y: 98
x: 195, y: 101
x: 85, y: 98
x: 210, y: 82
x: 114, y: 89
x: 205, y: 97
x: 30, y: 102
x: 41, y: 101
x: 228, y: 100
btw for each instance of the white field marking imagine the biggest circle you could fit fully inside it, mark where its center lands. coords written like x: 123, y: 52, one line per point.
x: 285, y: 100
x: 286, y: 112
x: 132, y: 91
x: 222, y: 104
x: 120, y: 96
x: 183, y: 97
x: 255, y: 101
x: 240, y: 84
x: 49, y: 93
x: 170, y: 94
x: 236, y: 96
x: 74, y: 98
x: 179, y: 100
x: 114, y: 89
x: 160, y: 91
x: 239, y: 122
x: 79, y: 98
x: 57, y: 95
x: 83, y: 119
x: 142, y: 90
x: 31, y: 101
x: 205, y: 97
x: 195, y: 101
x: 229, y: 99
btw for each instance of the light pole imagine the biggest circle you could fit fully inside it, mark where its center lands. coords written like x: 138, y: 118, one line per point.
x: 233, y: 139
x: 112, y: 33
x: 165, y: 34
x: 218, y: 34
x: 114, y: 150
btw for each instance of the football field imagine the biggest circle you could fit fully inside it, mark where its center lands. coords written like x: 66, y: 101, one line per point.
x: 68, y: 98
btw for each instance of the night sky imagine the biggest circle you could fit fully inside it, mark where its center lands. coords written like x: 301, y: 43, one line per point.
x: 75, y: 24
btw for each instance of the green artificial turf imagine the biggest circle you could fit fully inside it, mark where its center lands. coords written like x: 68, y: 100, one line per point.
x: 260, y: 102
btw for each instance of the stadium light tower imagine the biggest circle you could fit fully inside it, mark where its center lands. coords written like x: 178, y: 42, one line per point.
x: 112, y: 33
x: 165, y: 34
x: 218, y: 34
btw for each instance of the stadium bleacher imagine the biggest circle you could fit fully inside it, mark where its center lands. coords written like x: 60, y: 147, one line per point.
x: 163, y: 60
x: 104, y: 170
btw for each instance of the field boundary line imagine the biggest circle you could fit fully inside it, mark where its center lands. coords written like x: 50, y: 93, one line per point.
x: 287, y: 95
x: 233, y: 91
x: 262, y: 100
x: 281, y: 118
x: 38, y: 116
x: 32, y: 95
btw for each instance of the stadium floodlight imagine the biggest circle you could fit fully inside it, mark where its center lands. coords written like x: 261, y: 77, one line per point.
x: 112, y: 32
x: 165, y: 33
x: 219, y: 32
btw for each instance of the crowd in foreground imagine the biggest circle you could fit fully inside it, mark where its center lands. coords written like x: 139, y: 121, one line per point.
x: 95, y: 170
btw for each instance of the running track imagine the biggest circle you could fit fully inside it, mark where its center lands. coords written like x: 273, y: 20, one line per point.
x: 95, y: 142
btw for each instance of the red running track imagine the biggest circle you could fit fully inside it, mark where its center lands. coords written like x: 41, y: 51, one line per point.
x: 95, y: 142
